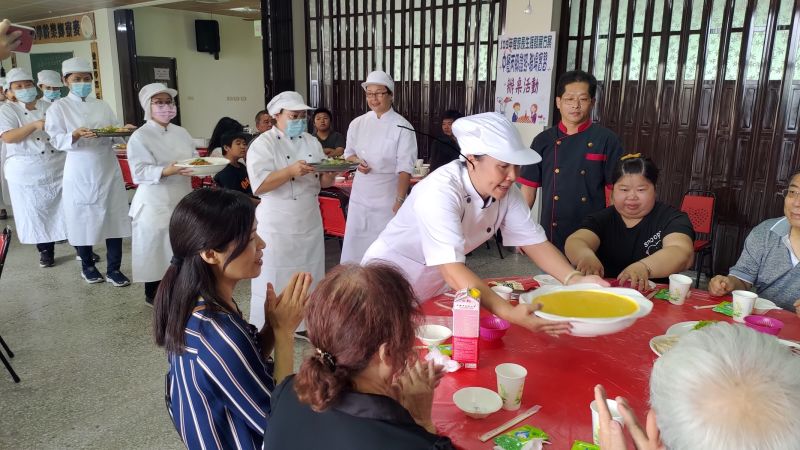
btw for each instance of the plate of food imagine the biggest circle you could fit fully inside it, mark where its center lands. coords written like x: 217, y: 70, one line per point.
x: 681, y: 328
x: 661, y: 344
x: 112, y: 131
x: 334, y: 165
x: 592, y: 310
x: 203, y: 167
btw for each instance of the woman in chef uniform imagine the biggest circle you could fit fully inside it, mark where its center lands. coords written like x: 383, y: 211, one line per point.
x: 288, y: 216
x: 95, y: 202
x: 50, y: 83
x: 153, y: 151
x: 387, y: 154
x: 33, y: 168
x: 463, y: 204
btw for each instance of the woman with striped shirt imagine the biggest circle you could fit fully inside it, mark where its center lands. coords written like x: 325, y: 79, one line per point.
x: 221, y: 376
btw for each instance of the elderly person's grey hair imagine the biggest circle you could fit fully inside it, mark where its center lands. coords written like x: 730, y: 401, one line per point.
x: 727, y: 386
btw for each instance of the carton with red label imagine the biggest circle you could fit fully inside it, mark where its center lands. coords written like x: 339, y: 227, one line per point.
x: 466, y: 327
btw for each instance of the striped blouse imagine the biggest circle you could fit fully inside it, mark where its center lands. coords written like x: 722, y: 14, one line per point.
x: 219, y: 388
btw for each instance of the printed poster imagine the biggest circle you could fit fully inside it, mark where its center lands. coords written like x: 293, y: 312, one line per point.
x: 524, y: 69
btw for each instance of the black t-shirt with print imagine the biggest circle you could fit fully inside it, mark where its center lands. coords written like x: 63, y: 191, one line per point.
x: 234, y: 178
x: 621, y: 246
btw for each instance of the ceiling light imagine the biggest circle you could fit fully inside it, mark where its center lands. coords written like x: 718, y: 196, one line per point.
x: 245, y: 9
x: 212, y: 1
x: 528, y: 10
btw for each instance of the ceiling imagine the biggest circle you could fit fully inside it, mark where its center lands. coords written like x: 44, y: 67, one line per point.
x: 20, y: 11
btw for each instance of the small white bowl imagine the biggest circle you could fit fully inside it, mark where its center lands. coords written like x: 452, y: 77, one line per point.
x: 762, y: 306
x: 503, y: 292
x: 433, y: 334
x: 477, y: 402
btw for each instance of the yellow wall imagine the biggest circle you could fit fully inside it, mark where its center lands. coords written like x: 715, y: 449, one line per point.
x: 209, y: 89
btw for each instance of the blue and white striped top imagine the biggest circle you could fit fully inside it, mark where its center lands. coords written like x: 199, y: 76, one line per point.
x: 219, y: 389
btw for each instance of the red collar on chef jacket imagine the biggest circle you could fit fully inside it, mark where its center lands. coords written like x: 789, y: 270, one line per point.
x: 582, y: 127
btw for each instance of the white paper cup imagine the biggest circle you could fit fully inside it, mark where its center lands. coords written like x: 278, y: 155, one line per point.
x: 503, y: 292
x: 613, y: 408
x: 679, y: 286
x: 340, y: 179
x: 743, y: 302
x: 510, y: 382
x: 418, y: 163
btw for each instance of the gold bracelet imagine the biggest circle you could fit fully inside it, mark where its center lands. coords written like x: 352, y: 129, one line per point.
x: 649, y: 272
x: 570, y: 275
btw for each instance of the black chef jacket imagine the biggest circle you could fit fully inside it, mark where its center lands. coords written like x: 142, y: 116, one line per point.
x: 573, y: 174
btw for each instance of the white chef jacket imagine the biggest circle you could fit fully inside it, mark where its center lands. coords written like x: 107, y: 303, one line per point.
x: 445, y: 218
x: 288, y: 216
x: 95, y: 202
x: 388, y: 150
x: 34, y: 171
x: 151, y: 148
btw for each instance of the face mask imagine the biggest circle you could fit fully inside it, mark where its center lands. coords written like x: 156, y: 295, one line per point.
x: 81, y: 89
x: 295, y: 127
x: 163, y: 113
x: 52, y: 95
x: 26, y: 95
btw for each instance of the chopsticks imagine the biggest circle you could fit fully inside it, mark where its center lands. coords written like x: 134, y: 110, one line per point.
x: 490, y: 434
x: 705, y: 307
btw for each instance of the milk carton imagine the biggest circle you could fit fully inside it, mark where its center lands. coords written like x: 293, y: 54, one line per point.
x: 466, y: 327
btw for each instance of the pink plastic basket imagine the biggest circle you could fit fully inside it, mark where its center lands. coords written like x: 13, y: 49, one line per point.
x: 763, y: 324
x: 493, y: 328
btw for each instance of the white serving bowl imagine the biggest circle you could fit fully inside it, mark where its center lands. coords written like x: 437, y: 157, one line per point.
x: 433, y: 334
x: 762, y: 306
x: 590, y: 327
x: 215, y: 165
x: 477, y: 402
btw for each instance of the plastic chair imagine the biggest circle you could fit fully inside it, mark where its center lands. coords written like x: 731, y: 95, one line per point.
x: 334, y: 216
x: 5, y: 244
x: 699, y: 206
x: 126, y: 173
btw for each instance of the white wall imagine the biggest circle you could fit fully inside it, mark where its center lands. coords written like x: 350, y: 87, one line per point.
x: 209, y: 89
x: 107, y: 55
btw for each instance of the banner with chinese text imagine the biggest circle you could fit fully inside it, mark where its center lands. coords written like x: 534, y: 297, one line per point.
x: 524, y: 69
x: 64, y: 29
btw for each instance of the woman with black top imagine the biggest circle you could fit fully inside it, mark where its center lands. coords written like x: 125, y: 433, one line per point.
x: 637, y: 238
x: 362, y: 388
x: 224, y: 126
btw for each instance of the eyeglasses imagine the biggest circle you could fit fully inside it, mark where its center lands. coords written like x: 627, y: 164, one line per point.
x: 791, y: 193
x: 571, y: 101
x: 377, y: 94
x: 161, y: 102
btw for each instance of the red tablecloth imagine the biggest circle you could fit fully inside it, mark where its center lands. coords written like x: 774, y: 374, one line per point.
x: 562, y: 372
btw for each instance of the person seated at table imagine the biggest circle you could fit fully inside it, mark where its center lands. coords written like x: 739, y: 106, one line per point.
x: 445, y: 148
x: 224, y: 126
x: 637, y: 238
x: 769, y: 259
x: 362, y: 388
x: 263, y: 121
x: 457, y: 208
x: 742, y: 394
x: 234, y: 175
x: 333, y: 142
x: 220, y: 374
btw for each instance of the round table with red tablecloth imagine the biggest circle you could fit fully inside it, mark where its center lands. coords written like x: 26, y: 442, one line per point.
x: 563, y: 371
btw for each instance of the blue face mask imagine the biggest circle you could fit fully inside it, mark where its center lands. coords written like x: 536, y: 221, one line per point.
x: 81, y: 89
x: 295, y: 127
x: 52, y: 95
x: 26, y: 95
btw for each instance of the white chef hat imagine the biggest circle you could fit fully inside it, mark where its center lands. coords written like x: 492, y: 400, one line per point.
x: 290, y: 100
x: 494, y: 135
x: 147, y: 92
x: 49, y: 78
x: 381, y: 78
x: 76, y: 65
x: 18, y: 74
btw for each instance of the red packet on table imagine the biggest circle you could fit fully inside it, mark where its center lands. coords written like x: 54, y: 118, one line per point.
x: 517, y: 283
x: 466, y: 320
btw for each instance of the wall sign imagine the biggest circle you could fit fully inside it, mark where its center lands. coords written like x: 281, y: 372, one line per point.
x: 64, y: 29
x: 525, y: 65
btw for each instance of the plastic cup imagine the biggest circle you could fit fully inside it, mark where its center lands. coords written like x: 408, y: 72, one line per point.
x: 613, y: 408
x: 418, y: 163
x: 679, y: 288
x: 503, y: 292
x: 510, y: 382
x: 743, y: 302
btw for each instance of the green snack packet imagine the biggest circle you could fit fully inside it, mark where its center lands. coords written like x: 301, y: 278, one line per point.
x: 446, y: 349
x: 518, y: 438
x: 724, y: 308
x: 662, y: 294
x: 580, y: 445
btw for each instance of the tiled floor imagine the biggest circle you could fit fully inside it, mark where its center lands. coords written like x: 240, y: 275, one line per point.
x: 91, y: 375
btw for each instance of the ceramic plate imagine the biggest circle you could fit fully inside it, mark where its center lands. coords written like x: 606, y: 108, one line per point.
x: 681, y: 328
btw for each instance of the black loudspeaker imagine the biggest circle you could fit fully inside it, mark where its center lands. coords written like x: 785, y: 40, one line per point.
x: 207, y: 34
